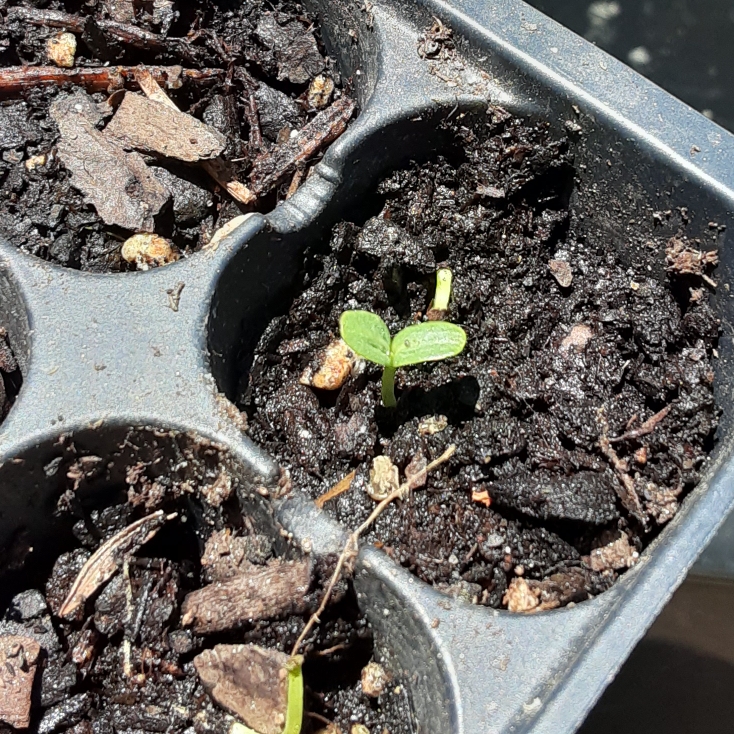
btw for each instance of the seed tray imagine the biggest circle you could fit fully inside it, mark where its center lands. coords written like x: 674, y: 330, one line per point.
x: 140, y: 364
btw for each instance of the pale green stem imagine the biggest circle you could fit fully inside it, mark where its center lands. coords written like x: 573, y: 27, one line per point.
x: 388, y: 387
x: 443, y: 289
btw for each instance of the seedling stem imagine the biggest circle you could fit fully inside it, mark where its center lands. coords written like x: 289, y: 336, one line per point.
x: 443, y: 289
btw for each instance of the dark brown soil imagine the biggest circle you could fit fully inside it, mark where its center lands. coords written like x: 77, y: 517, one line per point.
x: 83, y: 683
x: 568, y: 346
x: 264, y: 58
x: 10, y: 377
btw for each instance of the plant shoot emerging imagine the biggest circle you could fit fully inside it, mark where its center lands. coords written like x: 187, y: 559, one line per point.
x: 443, y: 290
x: 367, y: 335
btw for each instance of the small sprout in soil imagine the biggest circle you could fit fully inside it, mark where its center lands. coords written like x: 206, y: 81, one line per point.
x: 367, y: 335
x: 294, y: 711
x: 443, y: 289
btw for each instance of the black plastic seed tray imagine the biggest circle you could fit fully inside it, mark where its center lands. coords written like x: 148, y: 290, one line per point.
x: 122, y: 365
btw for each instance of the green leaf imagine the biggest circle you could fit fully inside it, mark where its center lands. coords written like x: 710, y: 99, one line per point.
x: 427, y: 342
x: 366, y: 334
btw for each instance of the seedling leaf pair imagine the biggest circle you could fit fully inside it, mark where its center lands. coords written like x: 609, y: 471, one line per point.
x: 367, y: 335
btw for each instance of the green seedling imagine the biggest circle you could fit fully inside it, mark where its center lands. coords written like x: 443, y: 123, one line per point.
x: 367, y: 335
x: 294, y: 710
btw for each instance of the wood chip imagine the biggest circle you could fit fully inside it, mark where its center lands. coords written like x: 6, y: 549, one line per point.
x: 280, y: 162
x: 118, y: 184
x: 626, y: 489
x: 250, y: 682
x: 108, y: 558
x: 15, y: 80
x: 151, y: 127
x: 262, y: 592
x: 18, y: 657
x: 482, y: 497
x: 219, y: 169
x: 339, y: 488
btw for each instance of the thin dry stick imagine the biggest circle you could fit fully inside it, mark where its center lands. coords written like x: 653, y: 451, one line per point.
x: 628, y: 493
x: 351, y: 545
x: 647, y: 427
x: 339, y: 488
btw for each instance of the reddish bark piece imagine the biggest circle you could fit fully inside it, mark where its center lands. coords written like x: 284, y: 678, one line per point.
x: 271, y: 168
x: 249, y: 681
x: 18, y: 656
x: 151, y: 127
x: 262, y: 592
x: 15, y: 80
x: 118, y: 184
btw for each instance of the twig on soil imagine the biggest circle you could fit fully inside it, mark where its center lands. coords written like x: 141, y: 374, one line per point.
x: 272, y: 167
x: 627, y: 493
x: 339, y: 488
x: 17, y: 79
x: 105, y: 561
x: 350, y: 547
x: 647, y: 427
x: 253, y: 120
x: 124, y: 33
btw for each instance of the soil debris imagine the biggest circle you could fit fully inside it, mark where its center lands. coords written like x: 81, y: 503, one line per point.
x: 151, y: 127
x: 18, y: 658
x: 148, y: 250
x: 562, y: 272
x: 61, y: 49
x: 264, y: 592
x: 384, y: 478
x: 682, y: 259
x: 119, y: 185
x: 293, y: 45
x: 375, y: 679
x: 577, y: 339
x: 520, y: 597
x: 613, y: 556
x: 248, y: 681
x: 108, y: 558
x: 331, y: 368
